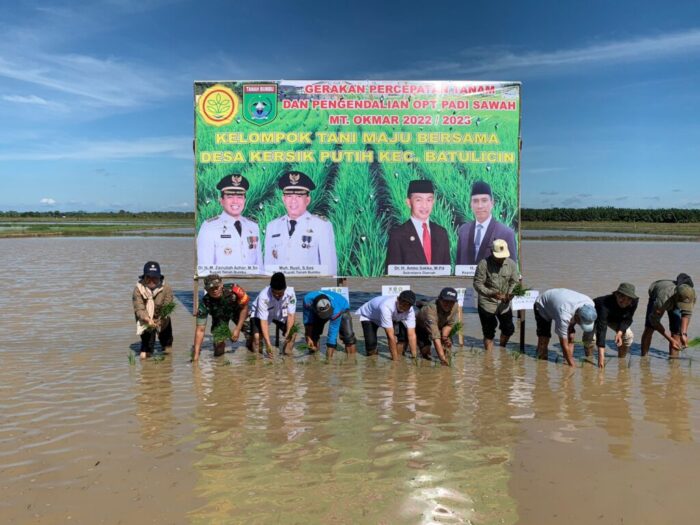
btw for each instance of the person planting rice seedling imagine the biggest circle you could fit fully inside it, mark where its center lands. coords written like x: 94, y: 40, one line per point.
x: 321, y: 307
x: 677, y: 300
x: 274, y: 304
x: 615, y: 311
x: 223, y: 303
x: 495, y: 280
x: 151, y: 300
x: 435, y: 322
x: 398, y: 319
x: 566, y: 308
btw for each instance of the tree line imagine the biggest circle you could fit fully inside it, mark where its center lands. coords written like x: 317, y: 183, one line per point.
x: 610, y: 214
x: 119, y: 215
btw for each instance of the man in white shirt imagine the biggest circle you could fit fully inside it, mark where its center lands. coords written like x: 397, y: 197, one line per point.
x: 398, y: 319
x: 299, y: 237
x: 275, y: 304
x: 229, y: 239
x: 475, y: 238
x: 566, y: 308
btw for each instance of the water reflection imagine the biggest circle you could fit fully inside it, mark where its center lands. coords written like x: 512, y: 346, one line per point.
x: 665, y: 398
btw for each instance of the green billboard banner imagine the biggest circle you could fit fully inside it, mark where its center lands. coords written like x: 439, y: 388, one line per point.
x: 355, y: 178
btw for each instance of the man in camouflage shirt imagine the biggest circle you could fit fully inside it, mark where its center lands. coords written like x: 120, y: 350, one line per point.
x: 434, y: 323
x: 223, y: 304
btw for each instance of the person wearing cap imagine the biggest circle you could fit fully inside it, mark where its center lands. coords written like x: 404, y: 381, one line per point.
x: 615, y: 311
x: 275, y: 304
x: 229, y: 239
x: 223, y: 303
x: 475, y: 238
x: 324, y: 306
x: 566, y: 308
x: 419, y: 240
x: 396, y: 316
x: 150, y: 295
x: 434, y: 323
x: 677, y: 300
x: 299, y: 237
x: 494, y: 281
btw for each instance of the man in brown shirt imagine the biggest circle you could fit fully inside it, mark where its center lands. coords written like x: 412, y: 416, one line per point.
x: 434, y: 323
x: 677, y: 299
x: 494, y: 281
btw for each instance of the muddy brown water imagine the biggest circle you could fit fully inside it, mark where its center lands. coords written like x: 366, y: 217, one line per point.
x: 87, y: 437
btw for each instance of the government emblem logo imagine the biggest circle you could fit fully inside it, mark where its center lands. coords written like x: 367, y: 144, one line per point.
x: 259, y: 103
x: 294, y: 178
x: 218, y: 105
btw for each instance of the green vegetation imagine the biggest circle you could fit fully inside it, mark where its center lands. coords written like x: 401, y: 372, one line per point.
x: 221, y: 333
x: 609, y: 214
x: 691, y: 229
x: 167, y: 309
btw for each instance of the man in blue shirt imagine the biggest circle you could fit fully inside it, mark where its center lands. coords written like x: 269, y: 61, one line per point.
x: 325, y: 306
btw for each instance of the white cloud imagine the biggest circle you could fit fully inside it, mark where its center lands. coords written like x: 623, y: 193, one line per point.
x: 171, y: 147
x: 482, y: 61
x: 48, y: 201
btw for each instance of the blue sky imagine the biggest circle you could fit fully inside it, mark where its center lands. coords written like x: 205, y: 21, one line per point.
x: 96, y: 98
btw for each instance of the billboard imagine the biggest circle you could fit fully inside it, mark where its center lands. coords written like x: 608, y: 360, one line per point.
x: 355, y: 178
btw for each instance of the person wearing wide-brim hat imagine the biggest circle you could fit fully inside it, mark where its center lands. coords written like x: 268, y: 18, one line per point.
x: 434, y: 323
x: 150, y: 295
x: 677, y: 300
x: 299, y: 237
x: 494, y: 281
x: 229, y: 239
x: 615, y: 311
x: 475, y: 238
x: 418, y: 241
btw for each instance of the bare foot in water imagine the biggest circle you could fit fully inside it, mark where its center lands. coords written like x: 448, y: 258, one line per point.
x: 143, y: 355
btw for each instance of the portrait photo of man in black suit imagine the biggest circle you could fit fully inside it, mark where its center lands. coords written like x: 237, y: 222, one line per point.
x: 474, y: 239
x: 419, y: 240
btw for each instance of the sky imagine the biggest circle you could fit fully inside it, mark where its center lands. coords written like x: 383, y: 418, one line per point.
x: 96, y: 103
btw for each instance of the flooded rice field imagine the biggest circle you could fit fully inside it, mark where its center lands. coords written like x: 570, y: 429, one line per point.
x: 86, y: 436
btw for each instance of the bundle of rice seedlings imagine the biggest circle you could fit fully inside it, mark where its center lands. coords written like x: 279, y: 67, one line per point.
x: 519, y: 290
x: 221, y: 333
x: 167, y: 309
x: 456, y: 329
x: 132, y: 358
x: 694, y: 342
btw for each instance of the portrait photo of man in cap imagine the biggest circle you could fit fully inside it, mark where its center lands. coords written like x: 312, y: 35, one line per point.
x: 229, y: 239
x: 418, y: 240
x: 299, y: 237
x: 475, y: 238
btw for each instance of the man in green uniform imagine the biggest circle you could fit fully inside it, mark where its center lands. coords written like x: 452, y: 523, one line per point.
x: 677, y: 299
x: 494, y: 281
x: 434, y: 323
x: 223, y: 304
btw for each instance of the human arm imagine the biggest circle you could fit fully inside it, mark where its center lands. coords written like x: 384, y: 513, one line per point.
x: 198, y: 339
x: 685, y: 322
x: 139, y: 304
x: 412, y: 342
x: 242, y: 316
x: 391, y: 341
x: 567, y: 346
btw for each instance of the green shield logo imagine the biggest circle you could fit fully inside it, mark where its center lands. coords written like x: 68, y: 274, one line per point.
x: 259, y: 103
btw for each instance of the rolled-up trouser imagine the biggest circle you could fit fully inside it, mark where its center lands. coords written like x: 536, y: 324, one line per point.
x: 489, y: 321
x: 347, y: 335
x: 590, y: 343
x: 165, y: 336
x: 255, y: 326
x: 674, y: 318
x: 369, y: 330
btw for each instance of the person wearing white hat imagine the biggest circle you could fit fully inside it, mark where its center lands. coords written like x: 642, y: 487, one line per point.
x: 566, y: 308
x: 494, y: 281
